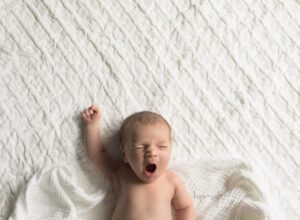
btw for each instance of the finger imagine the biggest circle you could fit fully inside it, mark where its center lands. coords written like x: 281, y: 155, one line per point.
x: 84, y: 118
x: 86, y: 112
x: 83, y: 115
x: 94, y: 108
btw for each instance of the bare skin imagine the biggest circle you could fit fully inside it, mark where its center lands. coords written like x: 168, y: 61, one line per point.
x: 140, y: 194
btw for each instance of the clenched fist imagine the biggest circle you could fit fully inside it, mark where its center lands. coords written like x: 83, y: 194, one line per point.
x: 91, y: 115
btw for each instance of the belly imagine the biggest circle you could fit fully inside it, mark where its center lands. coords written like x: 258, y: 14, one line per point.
x: 140, y: 203
x: 126, y: 211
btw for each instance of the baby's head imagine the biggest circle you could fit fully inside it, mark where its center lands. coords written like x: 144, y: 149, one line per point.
x: 146, y: 144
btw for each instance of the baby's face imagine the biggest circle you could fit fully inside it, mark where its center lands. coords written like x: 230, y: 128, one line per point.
x: 148, y: 150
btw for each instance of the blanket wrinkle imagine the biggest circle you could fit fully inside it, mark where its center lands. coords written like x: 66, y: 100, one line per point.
x: 220, y: 189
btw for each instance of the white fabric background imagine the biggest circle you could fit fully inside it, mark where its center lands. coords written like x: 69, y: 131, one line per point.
x: 224, y: 73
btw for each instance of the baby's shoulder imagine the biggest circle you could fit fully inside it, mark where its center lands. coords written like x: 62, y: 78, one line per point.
x: 174, y: 180
x: 172, y: 177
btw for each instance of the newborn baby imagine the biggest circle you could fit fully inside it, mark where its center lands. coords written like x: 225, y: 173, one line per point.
x: 144, y: 187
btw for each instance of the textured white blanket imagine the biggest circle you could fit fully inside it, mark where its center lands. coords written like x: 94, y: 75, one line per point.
x: 220, y: 189
x: 225, y: 73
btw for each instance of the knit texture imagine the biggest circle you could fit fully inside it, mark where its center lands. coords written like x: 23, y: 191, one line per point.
x: 220, y: 190
x: 225, y: 74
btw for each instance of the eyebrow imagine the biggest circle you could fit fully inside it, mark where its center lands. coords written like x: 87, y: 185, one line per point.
x: 162, y: 142
x: 159, y: 142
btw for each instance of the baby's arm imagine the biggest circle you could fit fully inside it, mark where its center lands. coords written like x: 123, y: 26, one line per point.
x: 182, y: 202
x: 95, y: 150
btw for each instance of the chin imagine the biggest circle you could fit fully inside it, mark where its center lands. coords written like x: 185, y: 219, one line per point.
x: 149, y: 179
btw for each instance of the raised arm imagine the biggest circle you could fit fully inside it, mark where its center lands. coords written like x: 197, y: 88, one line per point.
x: 94, y: 148
x: 182, y: 202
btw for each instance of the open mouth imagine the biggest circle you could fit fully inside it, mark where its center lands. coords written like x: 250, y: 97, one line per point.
x: 150, y: 168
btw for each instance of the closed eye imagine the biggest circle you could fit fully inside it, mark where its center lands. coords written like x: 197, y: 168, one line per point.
x: 140, y: 146
x: 163, y: 146
x: 137, y: 147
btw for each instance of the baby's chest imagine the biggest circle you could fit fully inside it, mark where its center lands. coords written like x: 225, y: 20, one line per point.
x: 143, y: 201
x: 159, y: 193
x: 137, y: 202
x: 146, y: 196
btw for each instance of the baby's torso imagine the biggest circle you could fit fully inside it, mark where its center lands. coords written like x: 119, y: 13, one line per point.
x: 136, y: 200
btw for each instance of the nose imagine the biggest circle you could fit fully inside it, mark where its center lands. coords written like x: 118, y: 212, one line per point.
x: 151, y: 152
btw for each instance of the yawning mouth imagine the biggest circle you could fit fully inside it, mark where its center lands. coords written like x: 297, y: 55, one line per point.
x: 151, y: 168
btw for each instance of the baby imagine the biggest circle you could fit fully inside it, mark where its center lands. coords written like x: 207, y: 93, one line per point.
x: 144, y: 187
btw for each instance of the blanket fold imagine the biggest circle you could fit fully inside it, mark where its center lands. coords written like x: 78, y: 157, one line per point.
x: 220, y: 189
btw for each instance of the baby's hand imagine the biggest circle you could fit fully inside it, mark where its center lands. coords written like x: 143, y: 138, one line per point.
x: 91, y: 115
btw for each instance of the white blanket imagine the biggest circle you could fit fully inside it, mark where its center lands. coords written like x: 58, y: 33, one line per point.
x: 220, y: 189
x: 224, y: 73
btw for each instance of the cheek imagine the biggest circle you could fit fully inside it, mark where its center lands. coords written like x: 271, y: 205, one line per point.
x: 136, y: 156
x: 166, y: 155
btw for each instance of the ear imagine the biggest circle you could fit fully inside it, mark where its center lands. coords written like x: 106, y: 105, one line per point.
x: 123, y: 153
